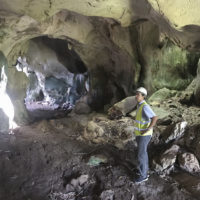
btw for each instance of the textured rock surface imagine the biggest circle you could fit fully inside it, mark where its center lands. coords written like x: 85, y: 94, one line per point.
x: 197, y: 89
x: 101, y: 130
x: 122, y: 108
x: 4, y: 122
x: 161, y: 95
x: 179, y: 12
x: 174, y: 131
x: 189, y: 162
x: 167, y: 159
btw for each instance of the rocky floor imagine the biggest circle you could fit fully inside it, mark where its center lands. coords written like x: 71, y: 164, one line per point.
x: 53, y: 160
x: 44, y: 110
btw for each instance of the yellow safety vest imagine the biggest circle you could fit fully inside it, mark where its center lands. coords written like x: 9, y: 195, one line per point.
x: 141, y: 125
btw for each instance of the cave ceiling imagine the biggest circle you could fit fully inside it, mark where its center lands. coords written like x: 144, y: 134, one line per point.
x: 22, y: 20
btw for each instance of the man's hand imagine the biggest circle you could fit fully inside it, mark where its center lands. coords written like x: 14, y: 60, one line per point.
x: 153, y: 122
x: 143, y: 132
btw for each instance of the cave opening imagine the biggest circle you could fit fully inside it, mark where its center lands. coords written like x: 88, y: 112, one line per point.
x: 6, y: 103
x: 57, y: 76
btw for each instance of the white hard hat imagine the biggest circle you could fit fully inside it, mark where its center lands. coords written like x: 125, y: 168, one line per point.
x: 142, y: 90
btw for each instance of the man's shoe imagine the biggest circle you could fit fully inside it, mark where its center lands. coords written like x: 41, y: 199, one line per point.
x: 141, y: 179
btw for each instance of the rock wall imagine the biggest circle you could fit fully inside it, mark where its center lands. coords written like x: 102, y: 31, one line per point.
x: 197, y: 89
x: 13, y: 84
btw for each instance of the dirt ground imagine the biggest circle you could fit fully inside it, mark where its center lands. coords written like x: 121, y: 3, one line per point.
x: 54, y: 165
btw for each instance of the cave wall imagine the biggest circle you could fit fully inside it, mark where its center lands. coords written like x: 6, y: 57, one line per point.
x: 197, y: 88
x: 4, y: 120
x: 15, y: 86
x: 16, y: 89
x: 162, y: 63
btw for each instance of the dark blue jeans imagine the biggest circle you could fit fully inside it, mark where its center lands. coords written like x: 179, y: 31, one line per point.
x: 142, y: 155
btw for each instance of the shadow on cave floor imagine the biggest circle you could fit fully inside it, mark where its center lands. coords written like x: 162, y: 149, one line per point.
x: 52, y: 165
x: 42, y: 110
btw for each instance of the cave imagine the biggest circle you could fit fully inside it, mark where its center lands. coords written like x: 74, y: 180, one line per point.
x: 69, y: 73
x: 57, y: 78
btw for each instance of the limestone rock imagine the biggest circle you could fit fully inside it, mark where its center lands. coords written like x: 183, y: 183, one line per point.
x: 122, y: 108
x: 192, y: 139
x: 197, y: 146
x: 174, y: 131
x: 96, y: 160
x: 62, y: 196
x: 162, y: 113
x: 192, y: 115
x: 167, y: 159
x: 79, y: 181
x: 103, y: 130
x: 69, y: 188
x: 189, y: 162
x: 107, y: 195
x: 114, y: 113
x: 82, y: 108
x: 83, y: 179
x: 178, y: 12
x: 197, y: 88
x: 187, y: 96
x: 161, y: 95
x: 94, y: 130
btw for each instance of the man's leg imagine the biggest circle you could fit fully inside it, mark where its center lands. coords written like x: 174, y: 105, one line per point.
x: 143, y: 160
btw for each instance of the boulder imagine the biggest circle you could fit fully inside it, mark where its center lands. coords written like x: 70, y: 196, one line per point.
x: 82, y: 108
x: 96, y: 160
x: 166, y: 159
x: 161, y: 95
x: 189, y: 162
x: 163, y: 115
x: 107, y: 195
x: 174, y: 131
x: 62, y: 196
x: 122, y: 108
x: 192, y: 139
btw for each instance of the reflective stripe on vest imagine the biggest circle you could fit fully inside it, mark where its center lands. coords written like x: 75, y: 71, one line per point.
x: 141, y: 125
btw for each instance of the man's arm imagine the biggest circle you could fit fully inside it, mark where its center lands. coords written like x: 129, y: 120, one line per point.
x: 152, y: 124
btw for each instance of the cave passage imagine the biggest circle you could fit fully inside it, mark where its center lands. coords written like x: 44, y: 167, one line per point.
x: 57, y: 78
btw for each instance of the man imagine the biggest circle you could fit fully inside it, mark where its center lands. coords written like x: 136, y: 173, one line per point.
x: 145, y: 120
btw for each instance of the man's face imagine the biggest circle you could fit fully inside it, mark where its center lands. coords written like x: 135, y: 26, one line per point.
x: 139, y: 97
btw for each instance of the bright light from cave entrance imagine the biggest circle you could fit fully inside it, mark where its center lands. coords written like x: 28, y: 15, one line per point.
x: 5, y: 102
